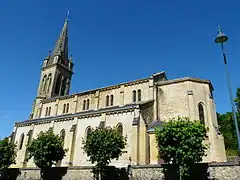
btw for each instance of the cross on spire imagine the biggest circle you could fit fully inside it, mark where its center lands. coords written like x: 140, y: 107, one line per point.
x: 68, y: 15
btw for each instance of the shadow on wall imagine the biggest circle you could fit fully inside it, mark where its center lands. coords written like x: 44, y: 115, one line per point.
x: 113, y: 173
x: 54, y: 173
x: 198, y: 172
x: 10, y: 174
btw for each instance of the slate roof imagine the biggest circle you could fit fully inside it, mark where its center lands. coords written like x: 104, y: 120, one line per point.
x: 153, y: 124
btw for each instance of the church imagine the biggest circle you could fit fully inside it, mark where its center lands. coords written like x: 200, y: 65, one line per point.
x: 135, y: 108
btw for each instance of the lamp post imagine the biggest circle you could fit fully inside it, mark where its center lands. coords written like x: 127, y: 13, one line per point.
x: 222, y: 38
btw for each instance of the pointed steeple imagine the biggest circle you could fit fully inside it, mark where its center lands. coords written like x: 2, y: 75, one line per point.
x: 61, y: 47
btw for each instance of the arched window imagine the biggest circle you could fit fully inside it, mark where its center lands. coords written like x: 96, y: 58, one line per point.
x: 139, y: 95
x: 134, y: 96
x: 58, y: 84
x: 88, y: 131
x: 64, y: 108
x: 84, y: 105
x: 62, y: 135
x: 67, y: 108
x: 111, y: 100
x: 120, y: 129
x: 29, y: 134
x: 49, y: 82
x: 88, y: 102
x: 49, y: 111
x: 21, y: 141
x: 46, y: 112
x: 44, y: 83
x: 63, y: 86
x: 201, y: 113
x: 107, y: 100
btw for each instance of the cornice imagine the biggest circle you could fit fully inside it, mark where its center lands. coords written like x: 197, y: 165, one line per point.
x: 80, y: 115
x: 57, y: 64
x: 93, y: 91
x: 198, y: 80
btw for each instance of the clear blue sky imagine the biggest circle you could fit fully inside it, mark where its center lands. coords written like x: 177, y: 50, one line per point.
x: 112, y: 42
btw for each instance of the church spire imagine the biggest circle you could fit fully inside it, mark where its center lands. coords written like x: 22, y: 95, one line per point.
x: 61, y: 47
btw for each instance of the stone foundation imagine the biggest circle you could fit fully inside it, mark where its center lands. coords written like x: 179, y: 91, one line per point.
x: 217, y: 171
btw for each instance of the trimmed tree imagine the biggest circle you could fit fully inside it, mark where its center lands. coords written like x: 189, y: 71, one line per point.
x: 7, y: 154
x: 180, y: 142
x: 102, y: 145
x: 46, y: 150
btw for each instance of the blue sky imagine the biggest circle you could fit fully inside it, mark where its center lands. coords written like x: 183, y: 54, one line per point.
x: 112, y: 42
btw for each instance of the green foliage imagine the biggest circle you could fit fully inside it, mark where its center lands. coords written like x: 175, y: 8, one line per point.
x: 180, y: 142
x: 7, y: 154
x: 237, y: 100
x: 227, y: 128
x: 102, y: 145
x: 46, y: 149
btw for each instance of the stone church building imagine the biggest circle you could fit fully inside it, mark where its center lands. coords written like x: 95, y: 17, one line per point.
x: 134, y: 107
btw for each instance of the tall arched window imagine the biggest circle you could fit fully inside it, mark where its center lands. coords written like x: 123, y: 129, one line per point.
x: 139, y: 95
x: 46, y: 112
x: 88, y: 131
x: 111, y: 100
x: 29, y: 134
x: 21, y: 141
x: 88, y: 102
x: 84, y: 104
x: 64, y: 108
x: 107, y: 100
x: 120, y: 129
x: 44, y: 83
x: 58, y: 84
x: 201, y: 113
x: 67, y: 108
x: 63, y: 86
x: 134, y: 96
x: 49, y: 111
x: 62, y: 135
x: 49, y: 82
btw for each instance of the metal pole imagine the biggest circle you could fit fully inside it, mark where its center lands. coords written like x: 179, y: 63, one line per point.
x: 231, y: 99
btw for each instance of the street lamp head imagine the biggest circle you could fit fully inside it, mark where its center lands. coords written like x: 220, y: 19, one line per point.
x: 221, y: 38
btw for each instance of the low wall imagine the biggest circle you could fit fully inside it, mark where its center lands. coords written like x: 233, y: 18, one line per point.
x: 217, y: 171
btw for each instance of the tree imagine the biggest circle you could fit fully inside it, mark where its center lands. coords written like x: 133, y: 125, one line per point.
x: 237, y: 100
x: 46, y: 150
x: 102, y: 145
x: 227, y: 128
x: 7, y: 154
x: 180, y: 142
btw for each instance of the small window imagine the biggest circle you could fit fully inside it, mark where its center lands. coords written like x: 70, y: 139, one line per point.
x: 107, y: 101
x: 139, y: 95
x: 46, y: 112
x: 120, y: 129
x: 134, y: 96
x: 88, y: 102
x: 29, y: 134
x: 21, y: 141
x: 64, y: 108
x: 67, y: 108
x: 111, y: 100
x: 88, y: 131
x: 49, y: 111
x: 84, y: 104
x: 201, y: 113
x: 62, y: 135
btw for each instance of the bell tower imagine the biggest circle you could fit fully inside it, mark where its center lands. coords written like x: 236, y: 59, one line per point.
x: 56, y: 72
x: 57, y: 69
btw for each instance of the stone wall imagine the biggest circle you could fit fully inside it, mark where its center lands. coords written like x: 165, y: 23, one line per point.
x: 217, y: 171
